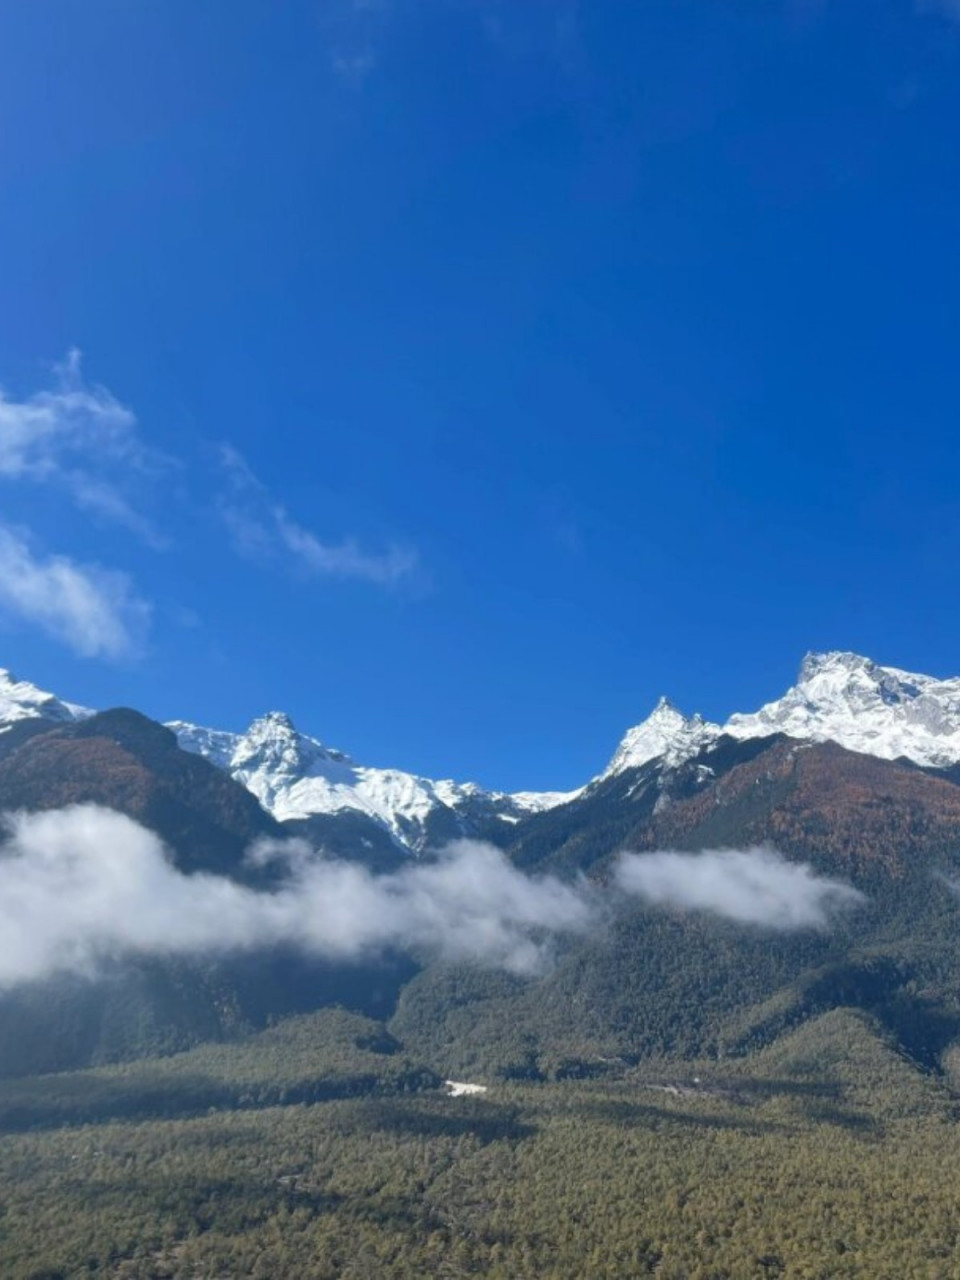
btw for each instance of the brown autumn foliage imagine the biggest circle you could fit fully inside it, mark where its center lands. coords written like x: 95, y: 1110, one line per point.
x: 126, y: 762
x: 861, y: 814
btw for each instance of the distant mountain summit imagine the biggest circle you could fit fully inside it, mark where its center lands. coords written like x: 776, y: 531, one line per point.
x: 298, y: 779
x: 880, y: 711
x: 20, y: 700
x: 839, y: 697
x: 666, y: 733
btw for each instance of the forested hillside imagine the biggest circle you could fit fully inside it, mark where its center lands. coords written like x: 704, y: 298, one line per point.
x: 672, y: 1089
x: 827, y: 1155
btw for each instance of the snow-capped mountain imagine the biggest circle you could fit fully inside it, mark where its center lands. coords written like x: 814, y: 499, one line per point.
x: 297, y: 778
x: 880, y: 711
x: 20, y: 700
x: 839, y: 697
x: 666, y: 733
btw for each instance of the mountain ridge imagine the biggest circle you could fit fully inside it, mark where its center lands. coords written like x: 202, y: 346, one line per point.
x: 297, y: 778
x: 839, y: 697
x: 655, y: 978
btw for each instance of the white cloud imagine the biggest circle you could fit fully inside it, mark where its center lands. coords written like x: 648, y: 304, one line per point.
x: 84, y: 884
x: 263, y: 529
x: 94, y: 611
x: 80, y: 438
x: 752, y: 886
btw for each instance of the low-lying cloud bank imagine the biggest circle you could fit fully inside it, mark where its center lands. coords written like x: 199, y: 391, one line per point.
x: 752, y: 886
x: 82, y: 885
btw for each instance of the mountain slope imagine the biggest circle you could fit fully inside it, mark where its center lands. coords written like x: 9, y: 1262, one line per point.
x: 843, y: 810
x: 654, y: 980
x: 124, y: 761
x: 662, y: 980
x: 136, y: 1007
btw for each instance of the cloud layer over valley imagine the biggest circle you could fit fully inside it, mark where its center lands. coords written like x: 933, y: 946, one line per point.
x: 83, y: 885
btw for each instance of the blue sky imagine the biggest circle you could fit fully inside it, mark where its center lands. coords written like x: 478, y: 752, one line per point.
x: 461, y: 375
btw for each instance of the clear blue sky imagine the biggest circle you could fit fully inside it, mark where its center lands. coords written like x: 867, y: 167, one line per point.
x: 470, y: 373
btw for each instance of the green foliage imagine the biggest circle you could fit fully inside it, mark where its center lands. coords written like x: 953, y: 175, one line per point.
x: 826, y: 1156
x: 330, y: 1054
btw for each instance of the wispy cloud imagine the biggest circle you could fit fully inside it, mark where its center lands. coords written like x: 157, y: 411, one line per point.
x: 79, y: 437
x: 261, y: 528
x: 751, y: 886
x: 94, y: 611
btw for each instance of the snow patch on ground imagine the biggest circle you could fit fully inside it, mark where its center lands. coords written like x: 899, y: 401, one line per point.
x: 462, y: 1089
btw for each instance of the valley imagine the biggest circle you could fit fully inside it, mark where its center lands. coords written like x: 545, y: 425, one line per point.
x: 707, y: 1025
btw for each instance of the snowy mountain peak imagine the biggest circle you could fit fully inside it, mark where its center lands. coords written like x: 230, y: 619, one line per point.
x: 839, y: 697
x: 881, y: 711
x: 277, y: 720
x: 20, y: 700
x: 666, y: 732
x: 273, y: 753
x: 667, y: 711
x: 833, y: 662
x: 295, y: 777
x: 275, y: 730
